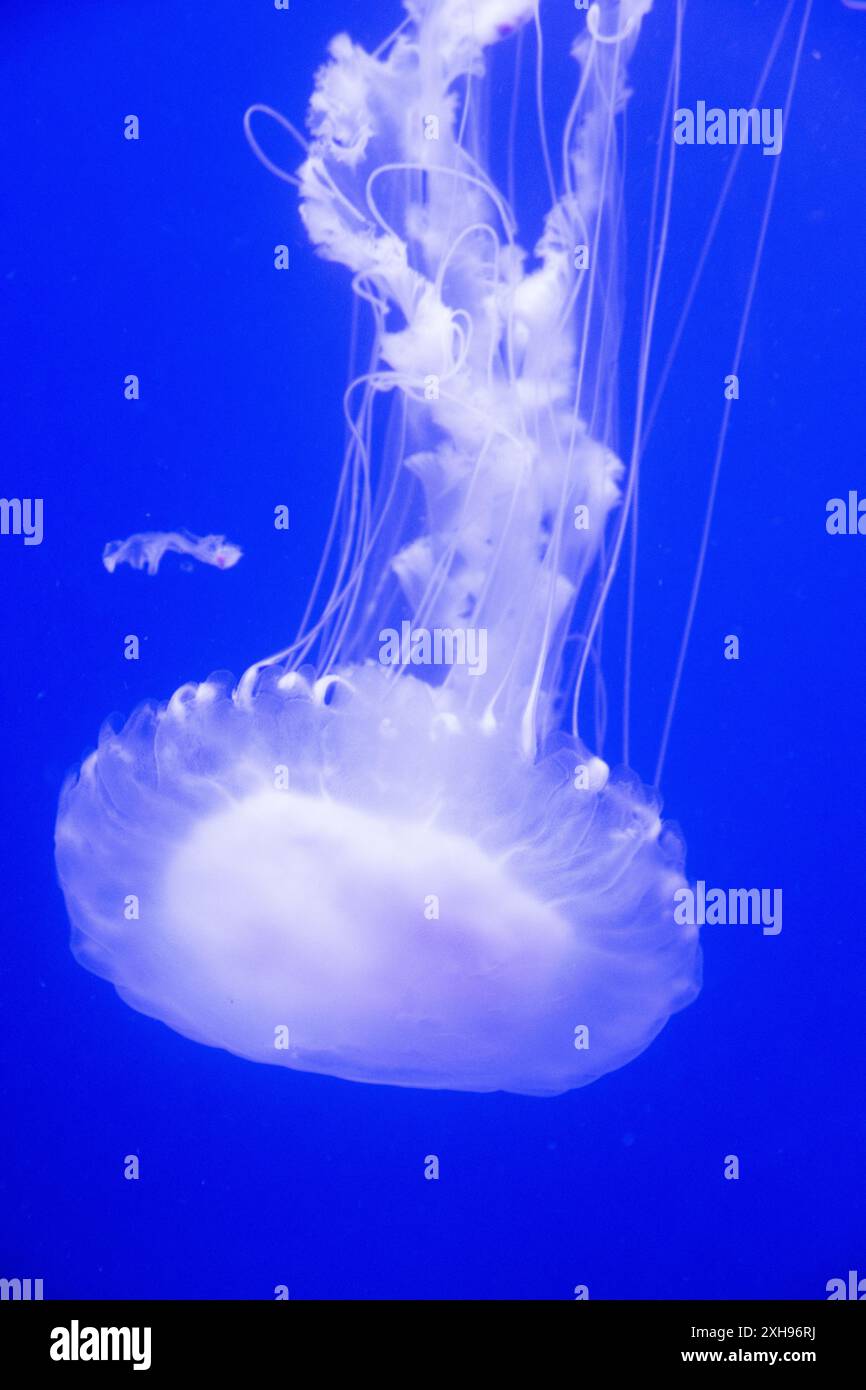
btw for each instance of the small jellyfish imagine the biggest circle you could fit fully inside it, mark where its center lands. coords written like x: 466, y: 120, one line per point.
x: 418, y: 873
x: 144, y: 551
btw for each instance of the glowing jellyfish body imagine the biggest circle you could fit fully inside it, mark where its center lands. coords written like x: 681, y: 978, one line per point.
x: 349, y: 866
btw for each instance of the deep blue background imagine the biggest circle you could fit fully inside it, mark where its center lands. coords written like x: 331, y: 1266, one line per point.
x: 156, y: 258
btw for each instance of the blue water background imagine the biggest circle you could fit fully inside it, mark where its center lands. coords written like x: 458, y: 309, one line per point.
x: 157, y: 258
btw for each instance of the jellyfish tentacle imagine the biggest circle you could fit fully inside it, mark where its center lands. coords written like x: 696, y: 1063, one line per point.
x: 726, y: 414
x: 259, y: 109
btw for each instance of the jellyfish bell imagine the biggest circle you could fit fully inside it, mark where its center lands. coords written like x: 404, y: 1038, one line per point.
x: 383, y: 870
x: 357, y: 864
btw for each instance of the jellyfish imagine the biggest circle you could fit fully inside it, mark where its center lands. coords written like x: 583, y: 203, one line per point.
x: 363, y: 859
x: 145, y: 550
